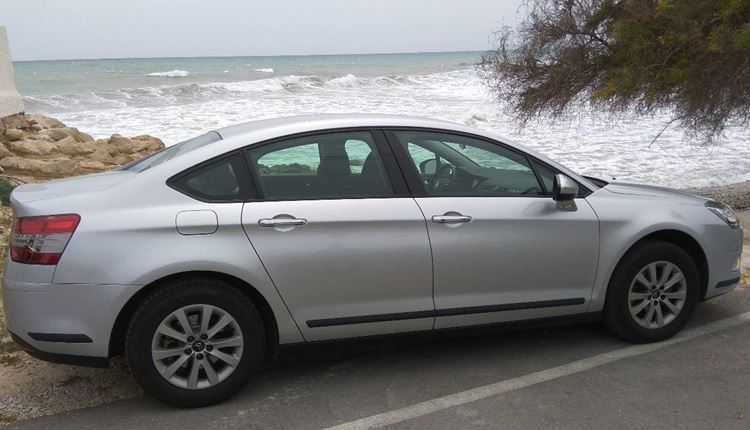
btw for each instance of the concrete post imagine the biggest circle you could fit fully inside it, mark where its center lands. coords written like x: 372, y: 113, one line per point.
x: 10, y: 101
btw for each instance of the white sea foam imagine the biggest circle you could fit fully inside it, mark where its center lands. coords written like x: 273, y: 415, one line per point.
x: 170, y: 74
x: 265, y: 70
x: 591, y: 144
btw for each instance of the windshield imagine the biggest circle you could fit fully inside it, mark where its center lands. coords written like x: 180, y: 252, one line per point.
x: 171, y: 152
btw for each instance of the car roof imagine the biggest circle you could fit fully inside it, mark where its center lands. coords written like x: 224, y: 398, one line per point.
x: 304, y: 123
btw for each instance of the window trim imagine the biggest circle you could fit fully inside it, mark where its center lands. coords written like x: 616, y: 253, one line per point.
x: 393, y: 173
x: 414, y: 181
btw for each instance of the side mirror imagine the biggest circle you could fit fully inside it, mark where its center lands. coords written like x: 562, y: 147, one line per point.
x: 428, y: 167
x: 564, y: 189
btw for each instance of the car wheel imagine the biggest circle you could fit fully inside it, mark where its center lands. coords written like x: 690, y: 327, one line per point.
x: 652, y: 293
x: 195, y: 342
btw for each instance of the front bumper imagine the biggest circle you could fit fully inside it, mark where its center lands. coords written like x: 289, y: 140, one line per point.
x: 69, y: 323
x: 724, y: 268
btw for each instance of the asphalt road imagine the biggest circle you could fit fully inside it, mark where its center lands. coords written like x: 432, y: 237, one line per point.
x: 576, y: 377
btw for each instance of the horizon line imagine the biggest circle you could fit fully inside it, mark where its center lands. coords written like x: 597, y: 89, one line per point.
x: 244, y: 56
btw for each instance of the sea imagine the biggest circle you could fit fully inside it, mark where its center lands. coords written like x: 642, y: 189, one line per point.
x: 176, y: 98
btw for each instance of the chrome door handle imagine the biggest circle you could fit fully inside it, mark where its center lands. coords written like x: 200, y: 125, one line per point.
x: 450, y: 219
x: 281, y: 222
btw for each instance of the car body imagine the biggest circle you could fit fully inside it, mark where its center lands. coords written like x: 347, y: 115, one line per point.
x: 418, y: 245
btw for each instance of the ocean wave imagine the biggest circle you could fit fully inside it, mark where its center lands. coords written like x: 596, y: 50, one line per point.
x: 265, y: 70
x: 170, y: 74
x: 277, y: 86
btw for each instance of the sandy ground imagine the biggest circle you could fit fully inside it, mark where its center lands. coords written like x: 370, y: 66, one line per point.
x: 31, y: 388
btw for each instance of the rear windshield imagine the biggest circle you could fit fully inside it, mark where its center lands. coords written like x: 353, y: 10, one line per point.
x: 171, y: 152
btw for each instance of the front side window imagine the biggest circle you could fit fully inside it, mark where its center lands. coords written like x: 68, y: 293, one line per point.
x: 452, y: 165
x: 333, y: 165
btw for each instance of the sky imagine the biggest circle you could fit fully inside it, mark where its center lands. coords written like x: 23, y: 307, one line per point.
x: 75, y: 29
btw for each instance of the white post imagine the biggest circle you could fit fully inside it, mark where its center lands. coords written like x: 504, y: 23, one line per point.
x: 10, y: 101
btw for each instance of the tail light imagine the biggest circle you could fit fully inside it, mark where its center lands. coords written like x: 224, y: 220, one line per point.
x: 41, y: 239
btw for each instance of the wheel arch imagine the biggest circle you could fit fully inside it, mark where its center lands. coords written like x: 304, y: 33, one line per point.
x: 683, y: 240
x: 119, y: 329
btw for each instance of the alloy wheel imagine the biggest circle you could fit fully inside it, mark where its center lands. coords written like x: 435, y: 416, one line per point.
x: 657, y: 294
x: 197, y: 346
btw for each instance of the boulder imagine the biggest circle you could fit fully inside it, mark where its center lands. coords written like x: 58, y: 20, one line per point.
x: 101, y: 155
x: 18, y: 121
x: 31, y: 147
x: 56, y: 133
x: 13, y: 134
x: 58, y: 168
x: 69, y: 146
x: 23, y: 164
x: 43, y: 121
x: 4, y: 151
x: 92, y: 165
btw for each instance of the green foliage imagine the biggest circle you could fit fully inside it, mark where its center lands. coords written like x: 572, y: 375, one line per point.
x: 5, y: 189
x: 688, y: 56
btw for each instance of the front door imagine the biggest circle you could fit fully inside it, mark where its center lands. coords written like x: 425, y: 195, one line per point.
x: 340, y: 237
x: 501, y: 249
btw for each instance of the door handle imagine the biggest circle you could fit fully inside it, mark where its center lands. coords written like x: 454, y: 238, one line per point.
x: 450, y: 219
x: 281, y: 222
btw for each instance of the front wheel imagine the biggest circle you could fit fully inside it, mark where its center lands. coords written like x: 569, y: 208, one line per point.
x: 652, y: 293
x: 195, y: 342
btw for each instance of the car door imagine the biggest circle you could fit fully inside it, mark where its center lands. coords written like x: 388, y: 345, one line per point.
x: 341, y: 238
x: 502, y: 250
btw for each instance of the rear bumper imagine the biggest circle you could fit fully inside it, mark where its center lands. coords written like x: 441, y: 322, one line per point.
x: 76, y: 360
x: 69, y: 323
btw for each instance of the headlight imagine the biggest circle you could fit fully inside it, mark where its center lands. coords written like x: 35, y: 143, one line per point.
x: 724, y: 212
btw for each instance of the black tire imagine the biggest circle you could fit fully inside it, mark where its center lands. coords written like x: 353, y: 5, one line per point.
x: 617, y: 315
x: 168, y: 299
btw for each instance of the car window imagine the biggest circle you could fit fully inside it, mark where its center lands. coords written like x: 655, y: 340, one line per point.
x: 332, y: 165
x: 217, y: 181
x: 452, y: 165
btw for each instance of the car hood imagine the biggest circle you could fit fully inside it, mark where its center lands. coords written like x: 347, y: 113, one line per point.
x: 68, y: 187
x: 652, y: 191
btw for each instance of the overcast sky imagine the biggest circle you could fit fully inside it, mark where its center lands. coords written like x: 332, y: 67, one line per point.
x: 66, y: 29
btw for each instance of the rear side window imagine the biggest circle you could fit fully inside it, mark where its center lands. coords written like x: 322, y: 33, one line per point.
x: 218, y: 181
x: 325, y: 166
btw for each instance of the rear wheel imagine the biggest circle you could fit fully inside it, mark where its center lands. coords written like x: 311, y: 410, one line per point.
x: 652, y: 293
x: 195, y: 342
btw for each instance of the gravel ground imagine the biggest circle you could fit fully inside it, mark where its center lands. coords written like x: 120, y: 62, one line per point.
x: 31, y: 388
x: 735, y: 195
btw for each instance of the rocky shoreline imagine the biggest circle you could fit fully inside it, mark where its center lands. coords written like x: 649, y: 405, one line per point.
x: 35, y: 147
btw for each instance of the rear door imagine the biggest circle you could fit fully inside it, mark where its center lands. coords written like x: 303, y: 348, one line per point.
x: 502, y: 250
x: 339, y: 235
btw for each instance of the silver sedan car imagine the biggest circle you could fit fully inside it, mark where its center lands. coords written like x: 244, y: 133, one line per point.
x: 200, y: 261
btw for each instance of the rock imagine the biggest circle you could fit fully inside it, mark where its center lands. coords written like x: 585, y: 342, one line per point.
x: 92, y: 165
x: 78, y: 135
x: 31, y: 147
x: 152, y: 144
x: 102, y: 155
x: 13, y: 134
x: 44, y: 121
x: 125, y: 145
x: 22, y: 164
x: 69, y: 146
x: 56, y: 134
x: 18, y: 121
x: 58, y: 168
x: 125, y: 158
x: 4, y: 151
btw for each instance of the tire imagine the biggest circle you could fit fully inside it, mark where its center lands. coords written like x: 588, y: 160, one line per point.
x: 211, y: 369
x: 628, y: 292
